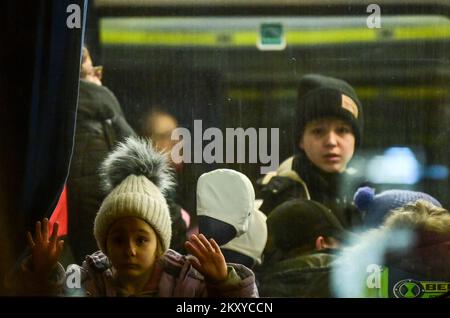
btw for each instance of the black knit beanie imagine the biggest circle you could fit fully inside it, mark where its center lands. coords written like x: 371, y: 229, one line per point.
x: 321, y: 96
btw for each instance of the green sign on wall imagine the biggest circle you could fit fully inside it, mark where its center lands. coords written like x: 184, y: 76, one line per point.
x: 271, y: 37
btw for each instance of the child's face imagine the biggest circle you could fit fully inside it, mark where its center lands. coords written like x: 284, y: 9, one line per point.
x: 132, y: 247
x: 329, y: 143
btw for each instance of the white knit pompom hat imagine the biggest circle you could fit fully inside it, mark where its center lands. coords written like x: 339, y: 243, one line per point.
x: 137, y: 178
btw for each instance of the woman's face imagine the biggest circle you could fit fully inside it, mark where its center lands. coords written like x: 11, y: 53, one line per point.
x: 132, y: 247
x: 329, y: 143
x: 90, y: 72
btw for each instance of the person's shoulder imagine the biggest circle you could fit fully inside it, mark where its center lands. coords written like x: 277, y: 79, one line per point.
x: 284, y: 170
x: 311, y: 261
x: 286, y: 165
x: 89, y: 87
x: 99, y: 91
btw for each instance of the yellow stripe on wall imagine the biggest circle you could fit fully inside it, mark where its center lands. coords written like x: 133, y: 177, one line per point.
x: 406, y: 93
x: 249, y: 38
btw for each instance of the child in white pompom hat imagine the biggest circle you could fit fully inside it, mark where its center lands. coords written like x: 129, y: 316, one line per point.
x: 133, y: 232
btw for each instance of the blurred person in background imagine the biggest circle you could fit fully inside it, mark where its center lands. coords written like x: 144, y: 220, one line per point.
x: 100, y: 125
x: 158, y: 125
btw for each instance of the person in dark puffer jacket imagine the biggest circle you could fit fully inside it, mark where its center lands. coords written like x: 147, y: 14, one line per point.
x: 100, y: 125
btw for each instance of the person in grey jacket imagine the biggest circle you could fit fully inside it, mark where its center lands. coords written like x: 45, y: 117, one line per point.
x: 133, y: 232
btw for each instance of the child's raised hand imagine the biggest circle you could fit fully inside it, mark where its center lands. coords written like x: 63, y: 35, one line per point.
x: 210, y: 260
x: 45, y: 250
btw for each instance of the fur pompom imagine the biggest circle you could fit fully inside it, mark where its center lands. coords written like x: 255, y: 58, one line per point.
x: 363, y: 197
x: 137, y: 156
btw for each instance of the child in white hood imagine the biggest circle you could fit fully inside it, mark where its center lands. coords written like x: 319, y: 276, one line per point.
x: 227, y: 212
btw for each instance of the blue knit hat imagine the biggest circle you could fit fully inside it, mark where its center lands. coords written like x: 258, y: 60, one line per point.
x: 376, y: 207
